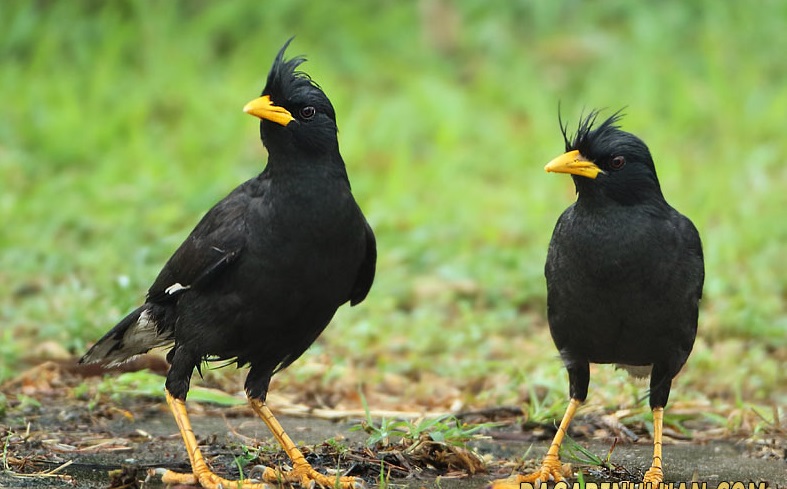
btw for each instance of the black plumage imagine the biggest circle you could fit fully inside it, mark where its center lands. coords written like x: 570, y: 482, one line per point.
x: 266, y: 268
x: 624, y: 269
x: 624, y: 273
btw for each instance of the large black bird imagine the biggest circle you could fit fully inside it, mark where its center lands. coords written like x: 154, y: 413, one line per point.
x: 624, y: 275
x: 263, y: 272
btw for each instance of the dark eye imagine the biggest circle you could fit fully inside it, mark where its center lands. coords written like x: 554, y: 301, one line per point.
x: 308, y: 112
x: 617, y: 163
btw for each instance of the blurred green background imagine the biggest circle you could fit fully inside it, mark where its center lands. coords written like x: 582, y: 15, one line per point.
x: 122, y: 125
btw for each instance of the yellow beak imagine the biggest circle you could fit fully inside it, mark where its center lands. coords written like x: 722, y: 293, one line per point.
x: 264, y: 109
x: 573, y: 162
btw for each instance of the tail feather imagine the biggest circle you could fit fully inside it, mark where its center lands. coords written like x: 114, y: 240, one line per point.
x: 135, y: 334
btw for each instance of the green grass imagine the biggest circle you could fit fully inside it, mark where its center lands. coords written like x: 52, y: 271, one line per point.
x: 122, y: 124
x: 445, y: 429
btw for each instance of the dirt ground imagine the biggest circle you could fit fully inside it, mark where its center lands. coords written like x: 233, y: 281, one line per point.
x: 56, y: 439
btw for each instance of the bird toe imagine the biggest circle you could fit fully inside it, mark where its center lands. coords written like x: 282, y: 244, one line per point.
x: 653, y: 477
x: 176, y: 478
x: 258, y: 472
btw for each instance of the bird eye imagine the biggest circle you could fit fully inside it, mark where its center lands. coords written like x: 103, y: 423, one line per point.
x: 617, y: 163
x: 308, y: 112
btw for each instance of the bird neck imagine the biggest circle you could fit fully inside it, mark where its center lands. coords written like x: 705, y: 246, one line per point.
x: 599, y: 205
x: 303, y: 164
x: 596, y: 194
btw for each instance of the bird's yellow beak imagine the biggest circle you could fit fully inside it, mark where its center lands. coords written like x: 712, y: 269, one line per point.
x: 573, y: 162
x: 264, y: 109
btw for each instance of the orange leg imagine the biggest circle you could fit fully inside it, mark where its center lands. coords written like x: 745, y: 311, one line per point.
x: 302, y: 472
x: 655, y: 475
x: 201, y: 475
x: 551, y: 468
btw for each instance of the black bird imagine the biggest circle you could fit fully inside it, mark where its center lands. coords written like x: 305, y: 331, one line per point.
x: 624, y: 275
x: 262, y: 274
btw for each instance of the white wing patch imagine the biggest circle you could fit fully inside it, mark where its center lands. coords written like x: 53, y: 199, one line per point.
x: 176, y: 287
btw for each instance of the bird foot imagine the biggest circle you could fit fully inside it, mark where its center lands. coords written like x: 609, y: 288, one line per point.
x: 653, y: 478
x: 307, y: 477
x: 551, y: 470
x: 209, y: 480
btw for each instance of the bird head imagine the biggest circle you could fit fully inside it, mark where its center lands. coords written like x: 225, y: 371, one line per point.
x: 295, y: 114
x: 607, y: 161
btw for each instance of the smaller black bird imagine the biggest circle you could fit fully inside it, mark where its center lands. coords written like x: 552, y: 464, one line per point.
x: 262, y: 274
x: 624, y: 276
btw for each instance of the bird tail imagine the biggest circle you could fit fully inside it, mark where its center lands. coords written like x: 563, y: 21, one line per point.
x: 135, y: 334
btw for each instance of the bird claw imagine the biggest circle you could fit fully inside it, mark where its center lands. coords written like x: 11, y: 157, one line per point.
x: 306, y: 477
x: 653, y: 477
x: 551, y: 470
x: 177, y: 478
x: 261, y: 472
x: 209, y: 480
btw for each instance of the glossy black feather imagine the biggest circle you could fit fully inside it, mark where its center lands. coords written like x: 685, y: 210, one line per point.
x: 267, y: 267
x: 624, y: 269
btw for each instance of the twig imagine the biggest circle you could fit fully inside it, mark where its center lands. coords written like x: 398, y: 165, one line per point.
x: 48, y: 473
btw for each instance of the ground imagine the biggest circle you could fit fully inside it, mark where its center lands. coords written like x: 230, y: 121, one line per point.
x: 60, y: 430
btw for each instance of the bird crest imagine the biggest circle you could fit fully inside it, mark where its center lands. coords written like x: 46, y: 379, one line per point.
x: 586, y: 134
x: 284, y: 78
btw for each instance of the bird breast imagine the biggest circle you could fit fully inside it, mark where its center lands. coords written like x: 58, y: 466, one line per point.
x: 610, y: 250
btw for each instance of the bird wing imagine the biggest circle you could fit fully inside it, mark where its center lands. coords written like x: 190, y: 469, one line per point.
x: 365, y: 277
x: 215, y: 243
